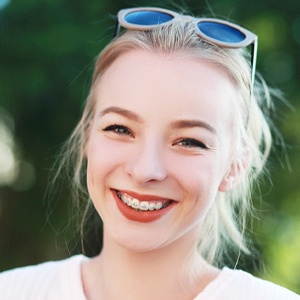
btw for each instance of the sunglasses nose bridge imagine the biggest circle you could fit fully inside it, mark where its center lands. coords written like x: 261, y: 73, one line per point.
x: 185, y: 18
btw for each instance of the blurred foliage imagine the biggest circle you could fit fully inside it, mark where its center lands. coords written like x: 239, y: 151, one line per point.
x: 47, y: 49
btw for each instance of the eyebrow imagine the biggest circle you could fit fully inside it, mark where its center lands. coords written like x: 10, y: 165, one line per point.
x: 123, y: 112
x: 193, y: 123
x: 178, y: 124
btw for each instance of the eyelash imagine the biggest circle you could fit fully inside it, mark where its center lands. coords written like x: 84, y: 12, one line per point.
x: 192, y: 143
x: 118, y: 129
x: 124, y: 131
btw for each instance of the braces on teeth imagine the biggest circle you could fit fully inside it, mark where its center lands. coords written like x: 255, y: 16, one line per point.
x: 141, y: 205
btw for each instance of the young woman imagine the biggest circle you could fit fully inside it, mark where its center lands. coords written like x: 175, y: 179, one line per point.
x: 171, y: 140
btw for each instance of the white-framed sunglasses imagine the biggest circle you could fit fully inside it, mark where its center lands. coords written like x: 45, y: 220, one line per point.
x: 218, y: 32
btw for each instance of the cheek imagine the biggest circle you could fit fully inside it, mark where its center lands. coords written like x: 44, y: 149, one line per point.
x: 104, y: 157
x: 200, y: 178
x: 99, y: 163
x: 92, y: 178
x: 197, y: 173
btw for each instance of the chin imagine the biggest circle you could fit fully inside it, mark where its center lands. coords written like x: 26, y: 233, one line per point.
x: 139, y: 242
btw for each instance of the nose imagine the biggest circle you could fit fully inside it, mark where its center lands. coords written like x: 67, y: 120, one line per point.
x: 146, y: 164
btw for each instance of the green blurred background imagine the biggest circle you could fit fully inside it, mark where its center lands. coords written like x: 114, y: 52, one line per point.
x: 47, y: 49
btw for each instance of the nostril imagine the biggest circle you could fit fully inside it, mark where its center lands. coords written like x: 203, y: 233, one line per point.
x: 147, y: 165
x: 146, y: 177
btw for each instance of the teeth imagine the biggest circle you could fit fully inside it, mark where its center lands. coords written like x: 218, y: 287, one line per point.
x: 137, y: 205
x: 128, y: 202
x: 152, y: 206
x: 158, y: 205
x: 144, y: 205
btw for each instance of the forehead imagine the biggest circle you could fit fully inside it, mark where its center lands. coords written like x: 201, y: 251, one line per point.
x: 174, y: 84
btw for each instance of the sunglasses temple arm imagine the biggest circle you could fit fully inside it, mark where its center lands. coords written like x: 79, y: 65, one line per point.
x: 253, y: 64
x: 253, y: 70
x: 117, y: 29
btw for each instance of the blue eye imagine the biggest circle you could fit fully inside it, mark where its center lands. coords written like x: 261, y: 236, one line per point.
x: 118, y: 129
x: 191, y: 143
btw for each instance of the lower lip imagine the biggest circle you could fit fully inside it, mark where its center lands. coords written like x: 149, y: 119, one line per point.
x: 140, y: 216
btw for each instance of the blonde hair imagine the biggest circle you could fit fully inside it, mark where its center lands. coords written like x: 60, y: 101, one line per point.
x: 224, y: 225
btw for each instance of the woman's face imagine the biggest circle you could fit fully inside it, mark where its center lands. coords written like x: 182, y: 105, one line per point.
x: 160, y: 142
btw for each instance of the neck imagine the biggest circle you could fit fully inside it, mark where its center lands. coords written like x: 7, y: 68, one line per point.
x: 171, y: 272
x: 144, y: 273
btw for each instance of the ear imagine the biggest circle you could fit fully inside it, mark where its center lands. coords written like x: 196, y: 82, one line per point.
x: 236, y: 173
x: 229, y: 182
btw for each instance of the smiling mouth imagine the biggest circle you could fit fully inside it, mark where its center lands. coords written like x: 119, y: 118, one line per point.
x: 142, y: 206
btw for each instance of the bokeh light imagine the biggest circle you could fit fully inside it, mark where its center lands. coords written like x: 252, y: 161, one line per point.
x: 4, y: 3
x: 8, y: 160
x: 14, y: 172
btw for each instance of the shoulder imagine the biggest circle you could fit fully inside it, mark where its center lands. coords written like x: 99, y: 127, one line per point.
x: 237, y: 284
x: 261, y: 288
x: 43, y: 281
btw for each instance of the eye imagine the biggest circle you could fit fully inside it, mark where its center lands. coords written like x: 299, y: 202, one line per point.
x: 118, y: 129
x: 191, y: 143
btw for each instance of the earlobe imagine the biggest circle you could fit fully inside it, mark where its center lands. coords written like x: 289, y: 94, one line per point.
x: 228, y: 183
x: 237, y: 171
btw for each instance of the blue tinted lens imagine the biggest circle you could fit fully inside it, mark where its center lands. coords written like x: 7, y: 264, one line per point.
x: 221, y: 32
x: 148, y: 17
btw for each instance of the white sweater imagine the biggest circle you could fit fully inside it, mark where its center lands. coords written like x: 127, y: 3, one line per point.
x: 62, y: 280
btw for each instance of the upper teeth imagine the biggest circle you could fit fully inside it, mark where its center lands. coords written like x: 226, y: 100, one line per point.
x: 139, y: 205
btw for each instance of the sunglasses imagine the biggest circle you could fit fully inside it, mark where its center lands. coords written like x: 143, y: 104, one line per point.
x: 217, y: 32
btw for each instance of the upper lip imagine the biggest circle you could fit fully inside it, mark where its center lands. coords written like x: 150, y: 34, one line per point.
x: 145, y: 197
